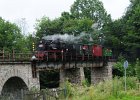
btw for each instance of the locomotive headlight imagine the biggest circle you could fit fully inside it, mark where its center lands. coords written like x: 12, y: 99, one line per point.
x: 33, y: 58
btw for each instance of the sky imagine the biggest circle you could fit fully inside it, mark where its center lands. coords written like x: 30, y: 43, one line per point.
x: 30, y: 10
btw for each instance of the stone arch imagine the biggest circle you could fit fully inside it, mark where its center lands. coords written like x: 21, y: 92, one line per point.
x: 14, y: 88
x: 13, y: 73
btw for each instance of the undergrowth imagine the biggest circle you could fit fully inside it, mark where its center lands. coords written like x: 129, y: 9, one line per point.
x: 107, y: 90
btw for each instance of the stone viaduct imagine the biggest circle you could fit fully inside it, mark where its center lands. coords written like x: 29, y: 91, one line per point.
x: 16, y: 76
x: 24, y: 75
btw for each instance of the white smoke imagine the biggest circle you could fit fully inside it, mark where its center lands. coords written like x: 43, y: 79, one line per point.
x: 65, y: 37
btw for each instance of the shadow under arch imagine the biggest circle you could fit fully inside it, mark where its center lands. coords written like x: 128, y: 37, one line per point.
x: 14, y: 88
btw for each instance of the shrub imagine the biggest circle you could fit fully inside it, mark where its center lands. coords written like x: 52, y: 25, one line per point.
x: 137, y: 65
x: 119, y: 68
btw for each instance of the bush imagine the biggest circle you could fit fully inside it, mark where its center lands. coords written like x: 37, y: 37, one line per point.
x: 107, y: 90
x: 137, y: 65
x: 119, y: 68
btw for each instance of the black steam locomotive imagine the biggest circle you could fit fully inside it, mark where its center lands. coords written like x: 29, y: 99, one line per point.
x: 60, y: 50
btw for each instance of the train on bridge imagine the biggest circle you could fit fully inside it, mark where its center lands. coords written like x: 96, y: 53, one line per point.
x: 58, y: 49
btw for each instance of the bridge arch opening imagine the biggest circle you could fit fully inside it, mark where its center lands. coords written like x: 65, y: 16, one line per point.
x: 49, y: 79
x: 14, y: 87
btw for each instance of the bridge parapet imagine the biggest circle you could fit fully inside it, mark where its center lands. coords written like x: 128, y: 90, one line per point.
x: 6, y: 56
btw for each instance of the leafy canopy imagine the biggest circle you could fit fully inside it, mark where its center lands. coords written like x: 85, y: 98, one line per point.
x: 92, y: 9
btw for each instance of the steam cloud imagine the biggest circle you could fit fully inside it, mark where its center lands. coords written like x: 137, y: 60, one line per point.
x: 65, y: 37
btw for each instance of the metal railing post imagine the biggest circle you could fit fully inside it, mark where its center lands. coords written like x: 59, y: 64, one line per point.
x: 13, y: 55
x: 3, y: 54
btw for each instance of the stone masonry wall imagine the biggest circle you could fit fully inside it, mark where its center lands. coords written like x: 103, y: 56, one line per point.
x: 99, y: 74
x: 22, y: 71
x: 73, y: 75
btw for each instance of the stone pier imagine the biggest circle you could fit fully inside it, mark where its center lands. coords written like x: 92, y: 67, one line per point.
x: 73, y: 75
x: 99, y: 74
x: 76, y: 75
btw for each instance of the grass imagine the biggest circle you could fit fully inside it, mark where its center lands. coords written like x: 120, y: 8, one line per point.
x: 108, y: 90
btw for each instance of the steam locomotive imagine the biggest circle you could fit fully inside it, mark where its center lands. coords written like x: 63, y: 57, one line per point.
x: 60, y: 50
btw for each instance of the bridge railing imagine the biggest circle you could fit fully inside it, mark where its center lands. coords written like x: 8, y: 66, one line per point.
x: 6, y: 56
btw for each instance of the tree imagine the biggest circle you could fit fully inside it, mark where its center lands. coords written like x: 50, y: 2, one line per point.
x: 11, y: 37
x: 138, y: 69
x: 92, y: 9
x: 124, y: 33
x: 48, y: 27
x: 76, y: 26
x: 66, y: 16
x: 132, y: 24
x: 65, y: 24
x: 114, y: 33
x: 9, y: 34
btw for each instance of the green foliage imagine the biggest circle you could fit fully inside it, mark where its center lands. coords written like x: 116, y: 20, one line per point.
x: 116, y: 87
x: 108, y: 90
x: 114, y: 32
x: 119, y: 65
x: 9, y: 33
x: 28, y: 43
x: 31, y: 94
x: 85, y: 83
x: 137, y: 65
x: 72, y: 23
x: 130, y: 71
x: 92, y: 9
x: 11, y: 37
x: 63, y: 25
x: 49, y: 27
x: 69, y: 89
x: 21, y: 45
x: 70, y: 26
x: 124, y: 32
x: 76, y: 26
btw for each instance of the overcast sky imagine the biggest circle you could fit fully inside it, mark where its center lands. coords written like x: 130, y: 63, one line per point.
x: 31, y: 10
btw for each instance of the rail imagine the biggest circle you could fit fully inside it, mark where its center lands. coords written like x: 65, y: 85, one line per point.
x: 14, y: 56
